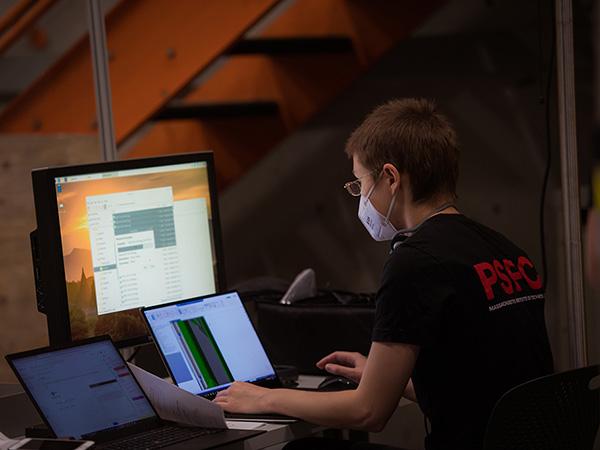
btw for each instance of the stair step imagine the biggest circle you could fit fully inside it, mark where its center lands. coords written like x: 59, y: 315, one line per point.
x: 296, y: 45
x: 218, y: 110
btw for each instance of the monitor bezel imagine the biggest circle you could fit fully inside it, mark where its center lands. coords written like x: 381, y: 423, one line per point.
x: 51, y: 270
x: 274, y: 382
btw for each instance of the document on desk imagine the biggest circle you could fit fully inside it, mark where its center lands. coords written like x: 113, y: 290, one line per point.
x: 175, y: 404
x: 6, y: 442
x: 241, y: 425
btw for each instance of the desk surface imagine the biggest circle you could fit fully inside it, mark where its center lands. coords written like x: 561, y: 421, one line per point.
x: 275, y: 436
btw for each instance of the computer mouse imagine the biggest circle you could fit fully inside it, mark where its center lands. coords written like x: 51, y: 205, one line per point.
x: 336, y: 383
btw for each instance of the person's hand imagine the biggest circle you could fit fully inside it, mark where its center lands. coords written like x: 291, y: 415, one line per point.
x: 345, y: 364
x: 242, y: 398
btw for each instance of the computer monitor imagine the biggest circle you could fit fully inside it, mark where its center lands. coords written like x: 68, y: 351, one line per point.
x: 116, y: 236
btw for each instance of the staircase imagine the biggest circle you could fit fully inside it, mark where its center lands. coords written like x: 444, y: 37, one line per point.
x: 234, y: 76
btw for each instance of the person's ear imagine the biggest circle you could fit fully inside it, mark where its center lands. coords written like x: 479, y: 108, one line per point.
x: 392, y: 177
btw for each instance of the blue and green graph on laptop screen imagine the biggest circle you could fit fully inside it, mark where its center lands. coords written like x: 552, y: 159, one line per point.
x: 201, y: 347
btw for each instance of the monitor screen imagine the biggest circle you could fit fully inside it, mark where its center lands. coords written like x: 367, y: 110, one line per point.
x: 207, y: 343
x: 83, y: 390
x: 133, y: 235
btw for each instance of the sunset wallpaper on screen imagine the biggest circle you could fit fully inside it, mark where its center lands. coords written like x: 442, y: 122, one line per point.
x: 76, y: 248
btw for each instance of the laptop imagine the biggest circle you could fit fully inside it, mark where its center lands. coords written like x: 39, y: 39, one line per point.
x: 209, y: 342
x: 85, y: 390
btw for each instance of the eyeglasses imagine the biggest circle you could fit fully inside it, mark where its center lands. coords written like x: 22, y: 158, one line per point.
x: 354, y: 188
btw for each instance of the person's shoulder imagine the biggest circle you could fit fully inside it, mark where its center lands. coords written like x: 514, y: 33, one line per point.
x: 493, y: 234
x: 409, y: 259
x: 463, y: 228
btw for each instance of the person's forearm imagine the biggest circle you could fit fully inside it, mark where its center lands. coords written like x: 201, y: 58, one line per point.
x: 342, y: 409
x: 368, y: 407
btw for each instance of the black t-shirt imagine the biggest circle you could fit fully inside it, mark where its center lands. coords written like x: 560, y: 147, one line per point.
x: 474, y: 303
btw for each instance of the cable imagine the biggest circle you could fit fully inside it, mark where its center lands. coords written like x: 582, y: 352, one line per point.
x: 546, y: 100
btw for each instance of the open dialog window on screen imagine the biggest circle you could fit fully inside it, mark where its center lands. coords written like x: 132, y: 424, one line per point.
x: 137, y: 253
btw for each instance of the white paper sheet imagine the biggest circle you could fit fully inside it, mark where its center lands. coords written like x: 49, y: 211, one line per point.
x: 6, y: 442
x: 175, y: 404
x: 239, y: 425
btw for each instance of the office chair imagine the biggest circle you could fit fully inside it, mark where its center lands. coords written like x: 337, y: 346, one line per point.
x: 555, y: 412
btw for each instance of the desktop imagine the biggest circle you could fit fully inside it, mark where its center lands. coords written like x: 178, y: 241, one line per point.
x: 116, y: 236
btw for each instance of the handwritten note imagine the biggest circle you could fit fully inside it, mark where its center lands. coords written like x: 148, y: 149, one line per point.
x: 175, y: 404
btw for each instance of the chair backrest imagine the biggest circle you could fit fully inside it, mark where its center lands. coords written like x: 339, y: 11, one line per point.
x: 560, y: 411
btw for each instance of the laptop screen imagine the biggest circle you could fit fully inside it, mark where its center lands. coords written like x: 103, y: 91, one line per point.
x: 209, y: 342
x: 84, y: 389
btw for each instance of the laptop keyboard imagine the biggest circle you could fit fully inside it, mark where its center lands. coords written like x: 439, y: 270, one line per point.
x: 158, y: 438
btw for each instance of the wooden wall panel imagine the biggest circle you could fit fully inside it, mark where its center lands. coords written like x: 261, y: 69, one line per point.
x: 21, y: 326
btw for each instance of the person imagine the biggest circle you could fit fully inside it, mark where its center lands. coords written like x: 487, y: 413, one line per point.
x: 459, y: 315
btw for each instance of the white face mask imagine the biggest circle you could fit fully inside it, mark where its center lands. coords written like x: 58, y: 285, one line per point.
x: 379, y: 227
